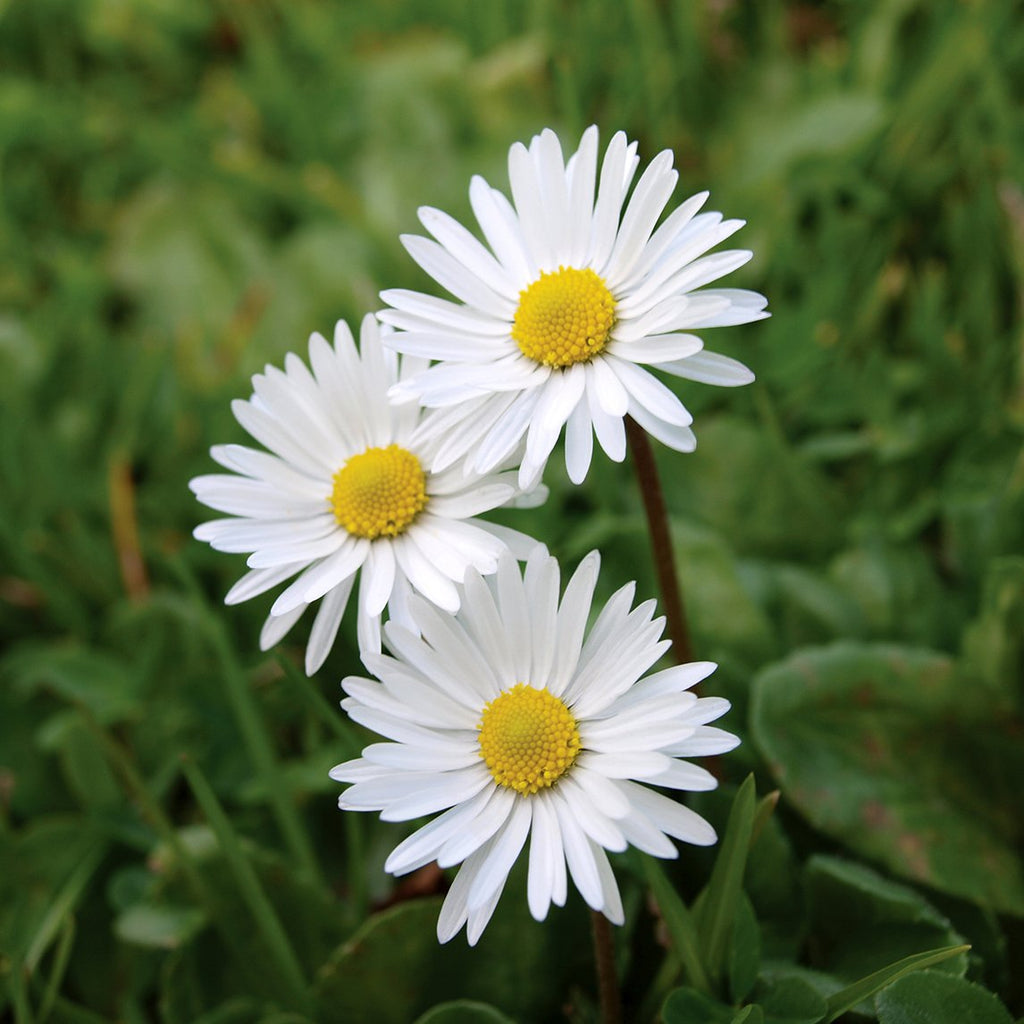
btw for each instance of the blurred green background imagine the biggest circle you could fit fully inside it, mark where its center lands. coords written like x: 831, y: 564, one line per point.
x: 188, y: 189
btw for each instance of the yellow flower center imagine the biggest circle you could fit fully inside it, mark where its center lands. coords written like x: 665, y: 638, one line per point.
x: 379, y: 493
x: 528, y: 738
x: 564, y: 317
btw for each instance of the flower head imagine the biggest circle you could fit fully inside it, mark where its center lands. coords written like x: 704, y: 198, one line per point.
x: 344, y: 491
x: 556, y: 320
x: 514, y: 722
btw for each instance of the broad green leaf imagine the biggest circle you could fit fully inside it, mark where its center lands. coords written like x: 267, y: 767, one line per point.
x: 938, y: 999
x: 688, y: 1006
x: 859, y: 921
x: 788, y: 997
x: 520, y: 966
x: 752, y: 1014
x: 463, y: 1011
x: 914, y: 778
x: 847, y: 998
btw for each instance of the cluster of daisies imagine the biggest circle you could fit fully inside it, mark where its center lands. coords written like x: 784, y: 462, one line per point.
x: 504, y: 717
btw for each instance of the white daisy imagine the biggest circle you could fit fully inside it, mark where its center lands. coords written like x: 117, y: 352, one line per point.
x: 556, y: 320
x: 343, y: 492
x: 513, y: 722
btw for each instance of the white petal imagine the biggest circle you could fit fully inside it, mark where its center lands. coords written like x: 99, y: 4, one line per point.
x: 609, y: 428
x: 581, y: 172
x: 452, y: 276
x: 505, y: 848
x: 602, y: 382
x: 710, y: 368
x: 500, y: 807
x: 547, y: 861
x: 437, y: 311
x: 657, y: 348
x: 498, y: 222
x: 422, y: 846
x: 378, y: 577
x: 579, y: 443
x: 288, y: 553
x: 319, y: 578
x: 652, y: 192
x: 572, y: 622
x: 277, y: 626
x: 325, y: 625
x: 468, y: 251
x: 578, y: 855
x: 651, y: 393
x: 259, y: 581
x: 526, y: 194
x: 424, y: 577
x: 610, y: 193
x: 559, y: 397
x: 680, y: 439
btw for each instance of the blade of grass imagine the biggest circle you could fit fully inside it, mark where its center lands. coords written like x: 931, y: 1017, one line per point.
x: 19, y: 993
x: 256, y: 737
x: 720, y: 899
x: 849, y: 997
x: 65, y: 901
x: 154, y: 814
x: 680, y: 924
x: 258, y: 743
x: 249, y: 886
x: 60, y: 963
x: 335, y: 720
x: 349, y: 739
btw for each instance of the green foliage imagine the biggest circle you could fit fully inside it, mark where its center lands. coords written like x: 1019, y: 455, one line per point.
x: 187, y: 190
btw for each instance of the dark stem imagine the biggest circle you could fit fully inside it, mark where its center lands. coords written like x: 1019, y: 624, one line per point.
x: 604, y: 959
x: 661, y: 540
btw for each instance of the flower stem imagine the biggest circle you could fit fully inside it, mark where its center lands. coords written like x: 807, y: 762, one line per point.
x: 607, y: 979
x: 661, y: 540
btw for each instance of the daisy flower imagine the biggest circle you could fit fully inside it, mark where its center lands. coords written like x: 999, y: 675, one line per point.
x: 557, y: 319
x: 515, y: 723
x: 343, y: 492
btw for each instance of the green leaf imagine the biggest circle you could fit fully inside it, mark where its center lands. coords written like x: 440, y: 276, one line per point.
x: 938, y: 999
x: 719, y: 901
x: 744, y: 950
x: 849, y: 997
x: 688, y: 1006
x: 158, y: 926
x: 994, y: 642
x: 523, y: 967
x: 463, y: 1011
x: 860, y: 921
x: 752, y: 1014
x: 914, y: 778
x: 789, y: 998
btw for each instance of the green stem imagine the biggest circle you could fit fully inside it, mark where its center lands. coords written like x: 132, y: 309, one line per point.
x: 604, y: 960
x: 661, y: 540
